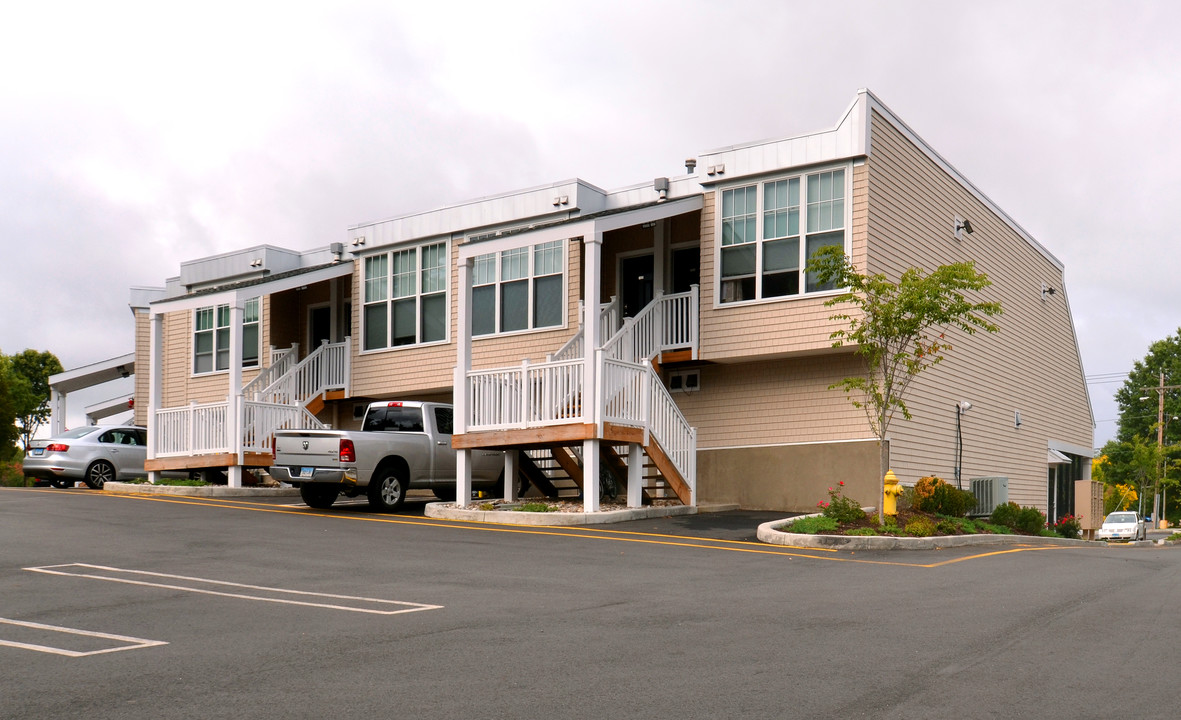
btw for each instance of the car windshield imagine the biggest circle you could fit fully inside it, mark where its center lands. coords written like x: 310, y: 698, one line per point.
x: 1119, y: 518
x: 79, y: 432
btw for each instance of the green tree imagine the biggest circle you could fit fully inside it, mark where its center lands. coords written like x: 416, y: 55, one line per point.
x: 8, y: 430
x: 29, y: 373
x: 1139, y: 417
x: 898, y: 329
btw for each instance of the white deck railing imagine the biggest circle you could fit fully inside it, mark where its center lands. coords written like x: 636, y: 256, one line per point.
x: 608, y: 324
x: 325, y: 368
x: 261, y: 420
x: 669, y: 322
x: 281, y: 362
x: 193, y: 429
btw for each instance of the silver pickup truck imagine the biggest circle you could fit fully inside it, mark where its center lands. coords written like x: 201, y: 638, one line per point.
x: 402, y: 445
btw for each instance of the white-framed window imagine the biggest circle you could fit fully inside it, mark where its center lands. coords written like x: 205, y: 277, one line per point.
x: 769, y: 229
x: 405, y: 297
x: 211, y: 337
x: 519, y: 289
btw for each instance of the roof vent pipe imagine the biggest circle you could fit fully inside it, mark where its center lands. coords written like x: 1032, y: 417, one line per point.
x: 660, y: 184
x: 690, y: 165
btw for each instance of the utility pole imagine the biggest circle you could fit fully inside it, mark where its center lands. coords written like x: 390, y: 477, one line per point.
x: 1158, y: 509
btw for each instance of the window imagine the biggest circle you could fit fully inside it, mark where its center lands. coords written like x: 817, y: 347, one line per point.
x: 770, y: 229
x: 519, y: 289
x: 405, y: 297
x: 211, y: 337
x: 394, y: 418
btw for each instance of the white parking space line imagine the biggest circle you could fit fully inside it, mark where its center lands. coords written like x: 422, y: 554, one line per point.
x: 130, y: 643
x: 379, y: 606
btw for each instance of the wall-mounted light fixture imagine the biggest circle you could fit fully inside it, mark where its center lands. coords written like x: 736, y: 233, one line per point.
x: 561, y: 200
x: 962, y: 226
x: 1047, y: 292
x: 358, y: 241
x: 660, y: 184
x: 719, y: 169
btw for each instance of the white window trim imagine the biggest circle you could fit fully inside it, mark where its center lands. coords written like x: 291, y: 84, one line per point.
x: 759, y: 183
x: 360, y: 300
x: 193, y: 340
x: 564, y: 246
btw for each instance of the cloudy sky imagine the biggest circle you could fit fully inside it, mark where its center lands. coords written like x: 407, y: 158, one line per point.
x: 134, y: 136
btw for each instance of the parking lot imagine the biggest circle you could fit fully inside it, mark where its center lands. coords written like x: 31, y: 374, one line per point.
x: 170, y: 607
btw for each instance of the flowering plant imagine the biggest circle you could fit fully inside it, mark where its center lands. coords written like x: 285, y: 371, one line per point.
x: 1069, y: 526
x: 840, y: 508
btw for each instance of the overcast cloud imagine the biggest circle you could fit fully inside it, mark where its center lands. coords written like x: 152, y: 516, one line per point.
x: 134, y: 136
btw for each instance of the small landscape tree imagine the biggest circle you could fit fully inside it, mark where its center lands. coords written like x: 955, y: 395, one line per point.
x: 29, y: 375
x: 899, y: 330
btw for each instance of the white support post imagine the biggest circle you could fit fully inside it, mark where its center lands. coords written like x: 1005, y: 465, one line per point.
x: 463, y: 346
x: 635, y: 475
x: 234, y: 405
x: 694, y: 319
x: 57, y: 412
x: 463, y: 478
x: 155, y: 387
x: 511, y: 467
x: 592, y: 337
x: 590, y: 475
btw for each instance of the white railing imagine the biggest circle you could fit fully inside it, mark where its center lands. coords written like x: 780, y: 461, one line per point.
x: 194, y: 429
x: 528, y: 395
x: 632, y: 394
x: 325, y: 368
x: 608, y: 324
x: 281, y: 362
x: 669, y: 322
x: 261, y: 420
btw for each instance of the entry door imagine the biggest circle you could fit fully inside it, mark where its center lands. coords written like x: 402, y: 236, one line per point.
x: 636, y: 283
x: 319, y: 326
x: 686, y: 267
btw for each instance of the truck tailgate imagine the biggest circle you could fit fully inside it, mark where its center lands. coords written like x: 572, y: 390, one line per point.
x: 312, y: 448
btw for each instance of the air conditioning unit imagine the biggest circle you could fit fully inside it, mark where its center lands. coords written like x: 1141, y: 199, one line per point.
x: 989, y: 492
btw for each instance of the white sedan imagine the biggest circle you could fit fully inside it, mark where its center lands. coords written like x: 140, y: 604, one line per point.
x: 1122, y: 525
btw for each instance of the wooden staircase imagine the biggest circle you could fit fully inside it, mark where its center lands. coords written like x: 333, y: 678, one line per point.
x: 556, y: 472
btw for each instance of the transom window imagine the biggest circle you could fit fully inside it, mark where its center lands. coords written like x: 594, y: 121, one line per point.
x: 765, y: 247
x: 518, y: 289
x: 211, y: 337
x: 405, y: 297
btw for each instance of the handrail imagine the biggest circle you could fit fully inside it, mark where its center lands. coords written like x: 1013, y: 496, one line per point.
x: 281, y: 362
x: 666, y: 323
x: 324, y: 368
x: 608, y: 322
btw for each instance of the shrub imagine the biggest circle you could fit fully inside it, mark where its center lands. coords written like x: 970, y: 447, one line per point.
x: 906, y: 499
x: 920, y: 527
x: 936, y: 496
x: 861, y: 531
x: 12, y: 474
x: 948, y: 526
x: 1030, y: 520
x: 840, y: 508
x: 1005, y: 514
x: 1068, y: 527
x: 810, y: 525
x: 535, y: 507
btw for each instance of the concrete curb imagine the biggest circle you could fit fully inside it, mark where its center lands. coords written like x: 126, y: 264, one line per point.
x: 769, y: 533
x: 447, y: 511
x: 118, y: 488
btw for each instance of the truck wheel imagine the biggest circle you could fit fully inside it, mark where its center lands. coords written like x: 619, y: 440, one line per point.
x: 386, y: 491
x: 446, y: 494
x: 316, y: 496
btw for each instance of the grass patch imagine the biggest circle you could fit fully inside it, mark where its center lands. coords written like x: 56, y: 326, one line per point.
x: 535, y: 507
x: 811, y: 525
x: 867, y: 531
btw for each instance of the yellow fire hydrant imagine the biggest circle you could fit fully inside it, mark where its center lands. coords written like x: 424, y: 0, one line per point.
x: 892, y: 490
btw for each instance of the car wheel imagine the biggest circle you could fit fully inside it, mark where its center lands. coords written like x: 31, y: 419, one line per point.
x: 63, y: 484
x: 387, y: 491
x: 99, y: 474
x: 318, y: 496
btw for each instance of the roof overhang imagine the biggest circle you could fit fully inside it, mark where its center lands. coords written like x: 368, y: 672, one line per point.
x: 93, y: 374
x: 110, y: 407
x: 583, y: 227
x: 1053, y: 457
x: 240, y: 293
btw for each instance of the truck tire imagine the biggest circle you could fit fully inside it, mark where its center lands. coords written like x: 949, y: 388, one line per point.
x: 387, y: 490
x: 319, y: 496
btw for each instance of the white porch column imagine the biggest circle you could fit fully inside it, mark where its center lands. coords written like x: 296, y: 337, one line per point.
x: 155, y: 386
x: 511, y: 466
x: 635, y: 475
x: 590, y: 475
x: 463, y: 364
x: 592, y: 336
x: 235, y: 408
x: 57, y: 412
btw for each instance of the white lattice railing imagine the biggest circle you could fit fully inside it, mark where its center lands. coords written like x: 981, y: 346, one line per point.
x: 325, y: 368
x: 281, y: 361
x: 194, y: 429
x: 261, y: 420
x: 527, y: 395
x: 608, y: 324
x: 669, y: 322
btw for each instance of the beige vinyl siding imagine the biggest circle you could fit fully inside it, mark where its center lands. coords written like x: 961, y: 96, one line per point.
x: 402, y: 372
x: 143, y: 350
x: 774, y: 402
x: 1031, y: 365
x: 180, y: 386
x: 773, y: 327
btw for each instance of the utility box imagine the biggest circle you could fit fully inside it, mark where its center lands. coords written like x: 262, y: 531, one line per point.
x: 1088, y: 506
x: 989, y: 492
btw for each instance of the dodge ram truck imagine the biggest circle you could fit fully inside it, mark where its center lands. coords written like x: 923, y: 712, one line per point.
x: 402, y: 445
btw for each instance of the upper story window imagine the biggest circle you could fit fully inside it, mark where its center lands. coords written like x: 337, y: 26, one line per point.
x: 770, y: 229
x: 405, y: 297
x: 211, y: 337
x: 519, y: 289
